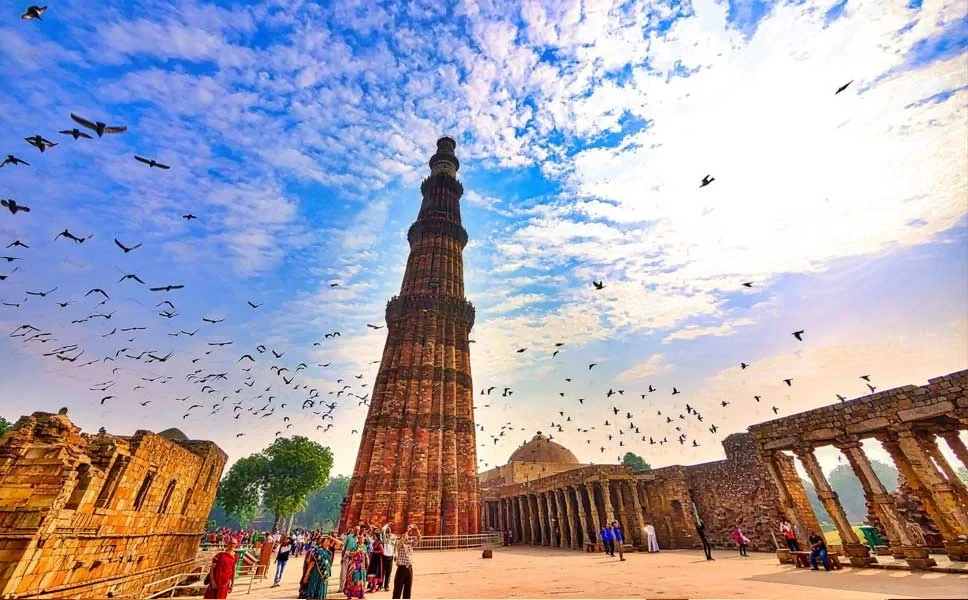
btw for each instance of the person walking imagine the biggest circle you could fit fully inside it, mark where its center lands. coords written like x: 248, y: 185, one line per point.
x: 741, y: 540
x: 786, y: 529
x: 221, y: 575
x: 281, y: 559
x: 607, y: 542
x: 617, y: 540
x: 701, y: 530
x: 650, y: 534
x: 403, y: 580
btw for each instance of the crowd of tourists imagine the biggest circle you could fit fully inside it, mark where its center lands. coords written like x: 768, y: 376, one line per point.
x: 367, y: 557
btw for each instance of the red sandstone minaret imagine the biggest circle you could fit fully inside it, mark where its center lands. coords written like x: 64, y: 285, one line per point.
x: 417, y: 461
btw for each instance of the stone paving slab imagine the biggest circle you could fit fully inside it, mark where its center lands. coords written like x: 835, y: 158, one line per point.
x: 524, y: 572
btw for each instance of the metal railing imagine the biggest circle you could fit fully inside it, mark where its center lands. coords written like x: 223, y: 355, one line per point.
x: 456, y: 542
x: 245, y: 576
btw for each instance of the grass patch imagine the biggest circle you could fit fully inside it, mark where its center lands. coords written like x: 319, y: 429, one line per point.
x: 833, y: 537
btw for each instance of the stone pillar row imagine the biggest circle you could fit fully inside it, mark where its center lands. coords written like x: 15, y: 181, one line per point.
x: 552, y: 518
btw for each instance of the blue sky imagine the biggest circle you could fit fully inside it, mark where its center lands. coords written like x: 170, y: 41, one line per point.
x: 299, y: 132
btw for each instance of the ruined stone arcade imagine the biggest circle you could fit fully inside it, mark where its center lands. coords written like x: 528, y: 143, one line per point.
x: 544, y: 496
x: 907, y: 422
x: 86, y: 515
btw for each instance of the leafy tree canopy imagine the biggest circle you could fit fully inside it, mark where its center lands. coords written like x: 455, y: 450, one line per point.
x: 5, y: 425
x: 322, y: 509
x: 635, y: 462
x: 280, y: 478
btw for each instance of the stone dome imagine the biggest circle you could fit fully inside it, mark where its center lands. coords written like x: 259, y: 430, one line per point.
x: 541, y: 449
x: 174, y: 434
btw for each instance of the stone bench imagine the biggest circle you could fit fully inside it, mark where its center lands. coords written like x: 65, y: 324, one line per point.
x: 594, y: 547
x: 802, y: 560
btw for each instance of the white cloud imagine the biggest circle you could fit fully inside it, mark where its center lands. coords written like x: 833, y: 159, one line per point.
x: 692, y: 332
x: 655, y: 365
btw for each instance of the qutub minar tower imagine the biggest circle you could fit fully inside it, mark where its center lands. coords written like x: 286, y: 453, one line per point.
x: 417, y: 461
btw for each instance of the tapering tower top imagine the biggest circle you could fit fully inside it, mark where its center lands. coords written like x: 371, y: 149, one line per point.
x: 444, y: 160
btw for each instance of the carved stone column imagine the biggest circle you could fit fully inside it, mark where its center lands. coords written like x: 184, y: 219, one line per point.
x: 930, y: 445
x: 791, y: 508
x: 570, y: 512
x: 640, y: 516
x: 858, y: 553
x: 593, y: 509
x: 944, y: 492
x: 533, y: 519
x: 581, y: 515
x: 545, y: 519
x: 607, y: 501
x: 624, y: 522
x: 883, y: 504
x: 549, y: 519
x: 957, y: 446
x: 891, y: 444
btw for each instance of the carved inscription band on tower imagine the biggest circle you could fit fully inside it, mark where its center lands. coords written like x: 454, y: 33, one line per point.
x: 417, y: 461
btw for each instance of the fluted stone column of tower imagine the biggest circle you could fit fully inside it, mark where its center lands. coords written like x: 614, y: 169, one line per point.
x: 417, y: 461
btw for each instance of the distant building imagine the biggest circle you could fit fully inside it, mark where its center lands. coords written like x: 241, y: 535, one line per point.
x: 85, y: 515
x: 546, y: 497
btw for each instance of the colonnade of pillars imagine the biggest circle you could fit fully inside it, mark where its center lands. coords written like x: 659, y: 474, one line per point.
x: 919, y: 459
x: 569, y: 516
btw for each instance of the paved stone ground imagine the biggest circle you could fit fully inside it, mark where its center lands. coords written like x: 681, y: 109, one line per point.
x: 522, y: 572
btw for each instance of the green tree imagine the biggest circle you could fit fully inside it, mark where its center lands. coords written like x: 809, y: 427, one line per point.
x: 5, y: 425
x: 635, y: 462
x: 240, y: 491
x: 843, y: 480
x: 323, y: 507
x: 280, y: 478
x: 962, y: 474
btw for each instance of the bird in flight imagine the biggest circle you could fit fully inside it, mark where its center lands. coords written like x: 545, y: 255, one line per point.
x: 34, y: 12
x: 374, y: 326
x: 67, y: 234
x: 743, y: 365
x: 13, y: 160
x: 843, y: 87
x: 107, y: 398
x: 599, y: 285
x: 866, y: 377
x: 706, y: 181
x: 41, y: 294
x: 16, y: 244
x: 98, y: 127
x: 98, y: 291
x: 13, y: 207
x: 789, y: 382
x: 131, y: 276
x: 799, y: 334
x: 150, y: 162
x: 748, y: 284
x: 253, y: 305
x: 40, y: 142
x: 75, y: 133
x: 166, y: 288
x: 126, y: 249
x: 189, y: 217
x: 207, y: 320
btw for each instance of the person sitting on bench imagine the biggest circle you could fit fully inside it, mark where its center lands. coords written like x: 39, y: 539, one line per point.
x: 818, y: 548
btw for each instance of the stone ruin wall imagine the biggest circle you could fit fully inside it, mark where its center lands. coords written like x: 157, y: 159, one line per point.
x: 668, y: 506
x: 68, y: 521
x: 736, y: 490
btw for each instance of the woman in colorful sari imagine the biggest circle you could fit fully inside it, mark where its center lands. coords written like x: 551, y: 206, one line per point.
x: 374, y: 573
x: 356, y: 565
x: 315, y: 582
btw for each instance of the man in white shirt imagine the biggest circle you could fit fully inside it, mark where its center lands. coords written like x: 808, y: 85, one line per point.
x: 653, y: 541
x: 389, y: 542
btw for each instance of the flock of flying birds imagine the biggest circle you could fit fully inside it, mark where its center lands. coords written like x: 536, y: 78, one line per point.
x: 235, y: 391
